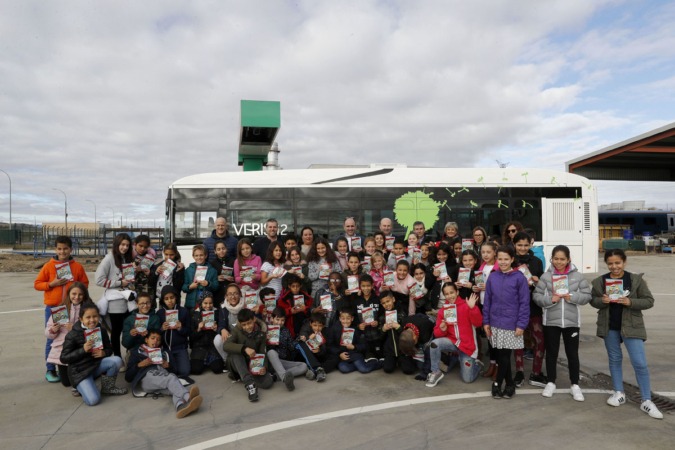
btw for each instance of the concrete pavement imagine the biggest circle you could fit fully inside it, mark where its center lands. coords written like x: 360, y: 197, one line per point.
x: 349, y: 411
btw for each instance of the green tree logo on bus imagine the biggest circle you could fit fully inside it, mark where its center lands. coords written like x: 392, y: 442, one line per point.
x: 414, y: 206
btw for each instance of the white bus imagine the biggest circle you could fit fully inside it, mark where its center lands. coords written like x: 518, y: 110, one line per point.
x: 560, y: 207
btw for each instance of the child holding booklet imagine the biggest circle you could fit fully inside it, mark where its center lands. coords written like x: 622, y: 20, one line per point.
x: 398, y: 254
x: 464, y: 274
x: 144, y: 257
x: 296, y: 303
x: 168, y: 271
x: 350, y: 276
x: 454, y: 332
x: 560, y: 292
x: 175, y: 328
x: 403, y: 288
x: 341, y: 250
x: 247, y: 266
x: 88, y: 354
x: 55, y: 278
x: 246, y: 359
x: 378, y: 271
x: 367, y: 306
x: 346, y: 341
x: 311, y: 349
x: 227, y: 317
x: 390, y: 318
x: 116, y: 274
x: 296, y: 266
x: 321, y: 261
x: 199, y: 276
x: 506, y: 313
x: 224, y: 265
x: 147, y: 372
x: 139, y: 322
x: 489, y: 259
x: 272, y: 269
x: 620, y: 320
x: 281, y: 350
x: 204, y: 330
x: 62, y: 319
x: 328, y: 302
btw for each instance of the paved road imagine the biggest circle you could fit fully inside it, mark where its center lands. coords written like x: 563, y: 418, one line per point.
x: 348, y: 411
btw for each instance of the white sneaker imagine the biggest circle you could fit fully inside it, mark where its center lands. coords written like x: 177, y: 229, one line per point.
x: 617, y: 399
x: 548, y: 391
x: 575, y: 392
x: 650, y: 408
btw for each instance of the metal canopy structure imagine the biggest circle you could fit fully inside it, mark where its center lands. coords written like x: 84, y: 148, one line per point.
x: 647, y: 157
x: 260, y: 122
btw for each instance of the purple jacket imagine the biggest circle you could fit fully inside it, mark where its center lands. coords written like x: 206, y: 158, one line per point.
x: 507, y: 300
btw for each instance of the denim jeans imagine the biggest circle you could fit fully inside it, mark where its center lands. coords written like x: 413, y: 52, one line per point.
x: 468, y: 368
x: 180, y: 362
x: 636, y: 352
x: 110, y: 366
x: 358, y: 363
x: 48, y: 346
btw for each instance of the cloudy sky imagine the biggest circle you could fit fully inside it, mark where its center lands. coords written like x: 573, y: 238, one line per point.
x: 111, y: 102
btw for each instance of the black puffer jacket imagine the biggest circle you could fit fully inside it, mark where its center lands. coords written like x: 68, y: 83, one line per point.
x: 80, y: 363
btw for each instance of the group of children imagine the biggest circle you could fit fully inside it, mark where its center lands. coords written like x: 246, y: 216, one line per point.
x: 289, y: 316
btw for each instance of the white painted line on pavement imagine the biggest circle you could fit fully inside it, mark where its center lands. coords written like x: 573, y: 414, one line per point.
x: 229, y: 438
x: 21, y: 310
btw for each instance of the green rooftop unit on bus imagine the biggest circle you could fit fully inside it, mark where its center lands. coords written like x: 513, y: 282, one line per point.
x: 260, y: 123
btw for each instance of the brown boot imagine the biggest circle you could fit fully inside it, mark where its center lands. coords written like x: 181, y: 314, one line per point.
x: 491, y: 371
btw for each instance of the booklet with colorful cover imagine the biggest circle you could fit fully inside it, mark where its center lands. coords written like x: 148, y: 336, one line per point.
x: 146, y: 262
x: 154, y: 354
x: 464, y: 275
x: 298, y: 301
x: 257, y: 364
x: 356, y: 243
x: 389, y: 242
x: 478, y: 277
x: 227, y: 272
x: 367, y: 314
x: 273, y: 332
x: 467, y: 244
x: 278, y: 271
x: 270, y: 302
x: 296, y: 270
x: 200, y: 273
x: 326, y: 302
x: 347, y: 337
x: 209, y: 319
x: 128, y: 272
x: 94, y: 335
x: 169, y: 267
x: 450, y: 313
x: 443, y: 271
x: 250, y: 299
x: 316, y: 342
x: 324, y: 271
x: 417, y: 291
x: 388, y: 278
x: 63, y: 271
x: 141, y: 322
x: 246, y: 273
x: 614, y: 289
x: 526, y: 271
x: 172, y: 318
x: 390, y: 316
x: 398, y: 258
x: 352, y: 284
x: 561, y: 285
x: 417, y: 255
x: 60, y: 314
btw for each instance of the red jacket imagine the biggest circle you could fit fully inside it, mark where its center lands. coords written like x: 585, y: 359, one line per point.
x: 54, y: 296
x: 463, y: 333
x: 286, y: 302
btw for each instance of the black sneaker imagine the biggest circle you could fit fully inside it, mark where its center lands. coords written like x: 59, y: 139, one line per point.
x: 519, y: 379
x: 288, y: 381
x: 252, y: 392
x: 538, y: 380
x: 496, y: 392
x: 509, y: 391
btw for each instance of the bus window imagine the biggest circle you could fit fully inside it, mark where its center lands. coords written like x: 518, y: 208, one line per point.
x: 194, y: 224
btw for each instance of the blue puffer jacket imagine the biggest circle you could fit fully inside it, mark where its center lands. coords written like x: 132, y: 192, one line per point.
x: 507, y: 300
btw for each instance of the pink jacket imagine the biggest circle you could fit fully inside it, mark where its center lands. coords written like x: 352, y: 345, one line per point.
x: 255, y: 262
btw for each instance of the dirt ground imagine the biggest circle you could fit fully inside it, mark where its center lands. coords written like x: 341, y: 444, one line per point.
x: 14, y: 262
